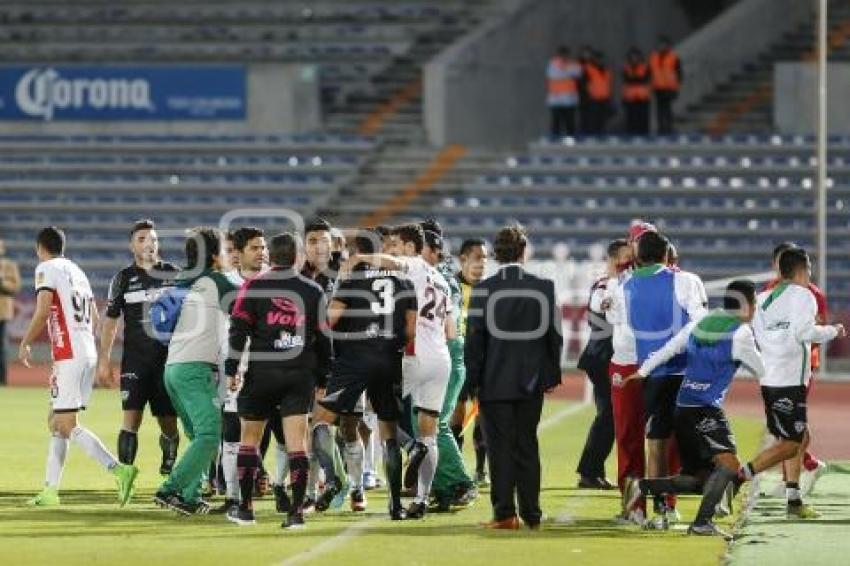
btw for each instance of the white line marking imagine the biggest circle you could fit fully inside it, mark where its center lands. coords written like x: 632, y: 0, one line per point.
x: 356, y: 530
x: 331, y: 543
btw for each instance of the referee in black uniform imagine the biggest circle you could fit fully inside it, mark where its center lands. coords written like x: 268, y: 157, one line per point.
x: 143, y: 359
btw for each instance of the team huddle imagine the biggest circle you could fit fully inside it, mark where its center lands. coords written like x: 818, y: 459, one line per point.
x: 333, y: 350
x: 339, y: 347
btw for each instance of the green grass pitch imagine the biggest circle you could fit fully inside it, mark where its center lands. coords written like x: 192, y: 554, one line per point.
x: 89, y: 528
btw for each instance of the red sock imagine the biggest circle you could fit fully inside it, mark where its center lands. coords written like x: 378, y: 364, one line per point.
x: 810, y: 463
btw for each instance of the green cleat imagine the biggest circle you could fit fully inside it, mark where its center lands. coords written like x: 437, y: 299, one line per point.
x: 49, y: 497
x: 125, y: 475
x: 801, y: 511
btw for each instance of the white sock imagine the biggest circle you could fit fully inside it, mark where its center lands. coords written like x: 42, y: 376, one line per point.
x: 354, y: 463
x: 281, y: 468
x: 57, y: 451
x: 312, y: 476
x: 229, y: 453
x: 369, y: 450
x: 427, y: 470
x: 91, y: 445
x: 793, y: 494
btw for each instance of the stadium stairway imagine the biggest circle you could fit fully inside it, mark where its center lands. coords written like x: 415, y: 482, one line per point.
x: 744, y: 103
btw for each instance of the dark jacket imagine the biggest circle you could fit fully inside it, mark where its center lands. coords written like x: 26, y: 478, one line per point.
x: 600, y: 348
x: 513, y: 337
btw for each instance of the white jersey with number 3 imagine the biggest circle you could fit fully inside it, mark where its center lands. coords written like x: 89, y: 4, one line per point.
x: 434, y: 304
x: 70, y: 323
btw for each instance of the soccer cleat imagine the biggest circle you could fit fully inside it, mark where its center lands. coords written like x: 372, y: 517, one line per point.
x: 417, y: 510
x: 163, y: 498
x: 309, y: 505
x: 339, y: 500
x: 671, y: 514
x: 585, y: 482
x: 658, y: 522
x: 808, y: 479
x: 465, y: 495
x: 225, y: 507
x: 242, y: 516
x: 708, y: 530
x: 294, y: 521
x: 631, y: 494
x: 725, y: 507
x: 125, y: 475
x: 281, y: 499
x: 48, y: 497
x: 177, y: 504
x: 372, y: 481
x: 801, y: 511
x: 358, y: 501
x: 481, y: 479
x: 323, y: 502
x: 398, y: 514
x: 509, y: 524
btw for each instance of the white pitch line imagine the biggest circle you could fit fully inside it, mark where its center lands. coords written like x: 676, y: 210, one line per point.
x: 356, y: 530
x: 331, y: 543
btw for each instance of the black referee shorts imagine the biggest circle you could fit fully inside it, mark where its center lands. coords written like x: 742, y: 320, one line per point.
x: 266, y: 391
x: 659, y: 397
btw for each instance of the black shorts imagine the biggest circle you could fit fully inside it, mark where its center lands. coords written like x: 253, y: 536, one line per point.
x: 701, y: 434
x: 785, y: 409
x: 285, y: 391
x: 142, y: 383
x: 659, y: 398
x: 377, y: 376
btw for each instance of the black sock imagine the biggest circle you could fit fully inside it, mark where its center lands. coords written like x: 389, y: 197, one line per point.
x: 659, y: 487
x: 392, y: 467
x: 713, y: 491
x: 299, y: 466
x: 323, y: 449
x: 247, y: 462
x: 169, y: 447
x: 128, y: 445
x: 480, y: 448
x: 457, y: 431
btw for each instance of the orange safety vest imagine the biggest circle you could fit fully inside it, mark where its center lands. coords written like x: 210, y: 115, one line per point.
x: 636, y: 83
x: 598, y: 83
x: 664, y: 76
x: 564, y: 85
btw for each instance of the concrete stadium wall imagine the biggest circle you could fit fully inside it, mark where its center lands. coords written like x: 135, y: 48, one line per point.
x: 281, y: 98
x: 736, y: 36
x: 795, y: 98
x: 489, y: 89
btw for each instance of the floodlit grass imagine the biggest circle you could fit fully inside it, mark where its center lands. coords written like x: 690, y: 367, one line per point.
x: 89, y: 528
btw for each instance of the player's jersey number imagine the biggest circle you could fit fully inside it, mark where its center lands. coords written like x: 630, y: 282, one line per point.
x: 434, y: 305
x: 384, y: 290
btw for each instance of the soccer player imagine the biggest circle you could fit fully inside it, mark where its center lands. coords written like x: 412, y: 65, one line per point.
x: 373, y: 316
x: 193, y: 355
x: 627, y: 401
x: 250, y: 246
x: 715, y: 346
x: 426, y: 367
x: 143, y: 358
x: 813, y: 468
x: 786, y: 326
x: 283, y: 313
x: 473, y: 263
x: 321, y: 265
x: 64, y: 302
x: 658, y: 302
x: 452, y: 484
x: 594, y: 360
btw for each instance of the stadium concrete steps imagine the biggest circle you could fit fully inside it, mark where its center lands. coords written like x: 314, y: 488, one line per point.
x: 758, y: 74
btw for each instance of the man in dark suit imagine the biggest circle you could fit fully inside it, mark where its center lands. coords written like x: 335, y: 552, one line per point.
x: 513, y: 352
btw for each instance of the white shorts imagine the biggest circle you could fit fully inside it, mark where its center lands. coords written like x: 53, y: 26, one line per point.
x: 71, y: 384
x: 426, y: 379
